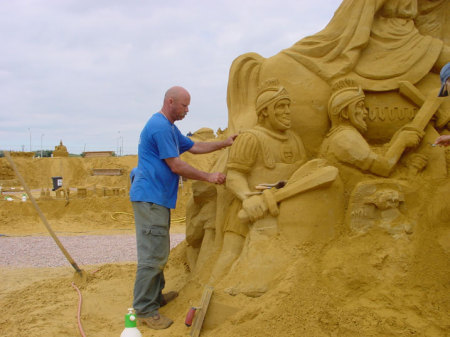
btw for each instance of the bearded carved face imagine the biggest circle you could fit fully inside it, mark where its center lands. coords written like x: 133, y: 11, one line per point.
x: 358, y: 115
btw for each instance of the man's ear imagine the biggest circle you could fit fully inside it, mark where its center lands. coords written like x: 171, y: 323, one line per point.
x: 264, y: 112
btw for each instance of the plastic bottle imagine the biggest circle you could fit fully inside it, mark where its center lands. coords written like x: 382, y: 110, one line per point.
x: 24, y: 197
x: 130, y: 325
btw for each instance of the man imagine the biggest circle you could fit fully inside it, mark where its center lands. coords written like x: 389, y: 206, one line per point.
x: 267, y: 153
x: 345, y: 143
x: 445, y: 85
x: 154, y: 191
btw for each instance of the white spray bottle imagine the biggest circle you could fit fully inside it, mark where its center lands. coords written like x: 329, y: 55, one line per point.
x: 130, y: 325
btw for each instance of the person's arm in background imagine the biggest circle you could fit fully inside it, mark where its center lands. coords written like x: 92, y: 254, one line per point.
x: 442, y: 140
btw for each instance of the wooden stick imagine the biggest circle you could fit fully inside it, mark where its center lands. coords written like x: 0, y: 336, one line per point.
x: 200, y: 316
x: 41, y: 215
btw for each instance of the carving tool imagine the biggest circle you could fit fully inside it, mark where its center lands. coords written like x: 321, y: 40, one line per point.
x: 199, y: 318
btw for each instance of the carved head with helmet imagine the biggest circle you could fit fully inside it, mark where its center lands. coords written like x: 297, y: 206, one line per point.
x: 346, y: 105
x: 273, y: 106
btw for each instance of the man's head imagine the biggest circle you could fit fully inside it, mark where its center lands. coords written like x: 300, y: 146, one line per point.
x: 346, y: 104
x: 445, y: 80
x: 176, y: 103
x: 273, y: 106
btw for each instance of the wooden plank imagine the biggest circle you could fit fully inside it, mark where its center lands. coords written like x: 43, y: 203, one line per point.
x: 106, y: 172
x: 200, y: 315
x: 93, y: 154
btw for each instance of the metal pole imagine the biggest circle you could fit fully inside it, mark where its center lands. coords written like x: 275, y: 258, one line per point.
x: 29, y: 130
x: 42, y: 135
x: 118, y: 144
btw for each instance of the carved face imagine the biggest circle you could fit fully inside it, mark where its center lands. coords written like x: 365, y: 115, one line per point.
x: 358, y: 115
x: 279, y: 115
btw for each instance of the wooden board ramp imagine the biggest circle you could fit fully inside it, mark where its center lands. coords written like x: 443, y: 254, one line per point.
x: 106, y: 172
x: 96, y: 154
x: 200, y: 315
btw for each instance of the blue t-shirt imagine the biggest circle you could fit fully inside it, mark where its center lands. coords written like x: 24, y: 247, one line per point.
x: 153, y: 180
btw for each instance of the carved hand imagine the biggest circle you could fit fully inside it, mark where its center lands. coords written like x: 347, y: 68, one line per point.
x: 443, y: 115
x: 255, y: 207
x: 410, y: 138
x: 417, y: 161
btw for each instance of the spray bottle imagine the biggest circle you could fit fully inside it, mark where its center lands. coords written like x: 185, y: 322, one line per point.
x: 130, y: 325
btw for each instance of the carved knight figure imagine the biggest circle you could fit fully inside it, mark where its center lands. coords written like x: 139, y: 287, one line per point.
x: 345, y: 142
x: 267, y: 153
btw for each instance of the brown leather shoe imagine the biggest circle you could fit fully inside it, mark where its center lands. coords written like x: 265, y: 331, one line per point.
x: 156, y: 322
x: 166, y: 298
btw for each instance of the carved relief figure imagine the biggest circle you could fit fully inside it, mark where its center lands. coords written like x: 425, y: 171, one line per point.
x: 267, y: 153
x: 374, y: 42
x: 200, y: 226
x: 345, y: 142
x: 385, y: 204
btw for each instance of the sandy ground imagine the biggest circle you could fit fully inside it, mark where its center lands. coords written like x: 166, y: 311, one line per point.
x: 36, y: 293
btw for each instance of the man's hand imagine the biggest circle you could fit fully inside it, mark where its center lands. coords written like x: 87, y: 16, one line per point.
x: 442, y: 140
x: 217, y: 178
x: 229, y: 141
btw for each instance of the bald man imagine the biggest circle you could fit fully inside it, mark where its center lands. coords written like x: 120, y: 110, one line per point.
x: 154, y: 192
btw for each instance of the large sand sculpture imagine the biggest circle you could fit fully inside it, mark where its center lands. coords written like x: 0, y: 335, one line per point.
x: 334, y: 220
x: 334, y: 149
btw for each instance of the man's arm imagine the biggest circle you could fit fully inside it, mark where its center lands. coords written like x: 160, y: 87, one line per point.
x: 182, y: 168
x: 206, y: 147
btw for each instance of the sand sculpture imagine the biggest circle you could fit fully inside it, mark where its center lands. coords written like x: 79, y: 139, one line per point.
x: 60, y: 150
x: 347, y: 117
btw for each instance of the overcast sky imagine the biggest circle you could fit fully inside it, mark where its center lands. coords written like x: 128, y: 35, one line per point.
x: 91, y: 73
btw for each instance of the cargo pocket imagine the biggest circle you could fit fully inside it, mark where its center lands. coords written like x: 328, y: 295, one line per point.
x: 159, y: 245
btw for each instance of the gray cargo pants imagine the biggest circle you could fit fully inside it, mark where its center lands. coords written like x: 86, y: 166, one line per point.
x: 153, y: 245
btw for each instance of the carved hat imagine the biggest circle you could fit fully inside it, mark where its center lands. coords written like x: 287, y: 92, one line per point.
x: 344, y: 92
x: 270, y: 92
x: 445, y: 74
